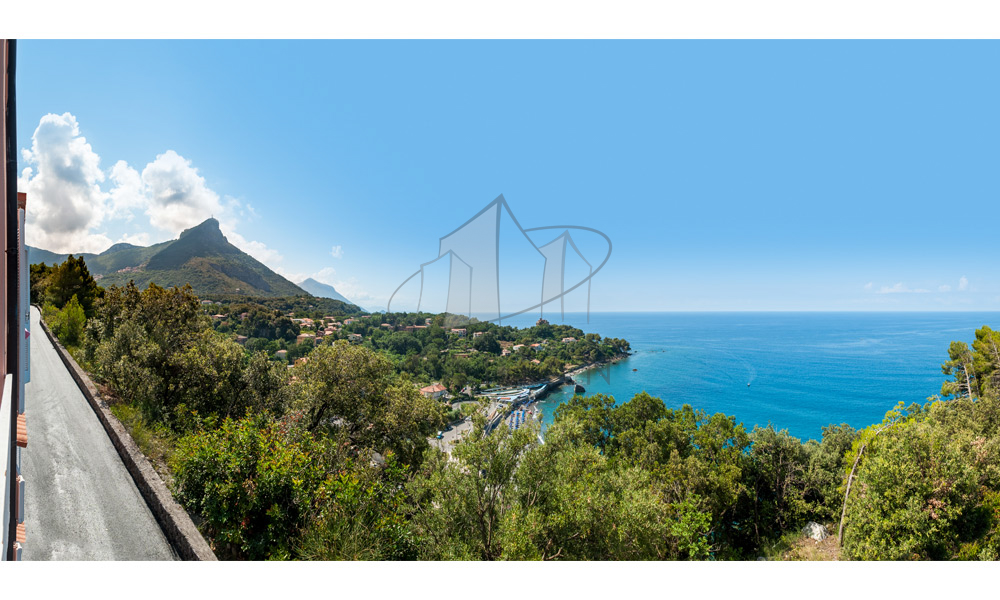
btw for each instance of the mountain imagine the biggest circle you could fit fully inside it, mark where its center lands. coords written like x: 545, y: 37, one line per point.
x: 113, y: 259
x: 37, y: 255
x: 201, y: 256
x: 322, y: 290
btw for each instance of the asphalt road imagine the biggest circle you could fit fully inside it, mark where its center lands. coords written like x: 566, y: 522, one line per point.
x: 81, y: 503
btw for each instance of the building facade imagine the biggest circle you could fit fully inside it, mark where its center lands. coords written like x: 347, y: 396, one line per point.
x: 14, y: 318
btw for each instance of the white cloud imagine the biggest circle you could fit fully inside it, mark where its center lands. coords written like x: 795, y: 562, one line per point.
x: 944, y: 288
x: 127, y: 193
x: 900, y: 288
x: 869, y: 285
x: 66, y: 202
x: 963, y: 284
x: 63, y: 185
x: 258, y: 250
x: 325, y: 275
x: 177, y: 198
x: 337, y: 251
x: 136, y: 239
x: 176, y: 195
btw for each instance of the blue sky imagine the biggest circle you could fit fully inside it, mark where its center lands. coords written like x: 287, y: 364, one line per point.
x: 729, y: 175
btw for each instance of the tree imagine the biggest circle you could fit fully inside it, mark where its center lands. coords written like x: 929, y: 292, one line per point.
x: 72, y: 278
x: 959, y: 366
x: 487, y: 343
x: 986, y: 360
x: 349, y: 388
x: 69, y: 322
x: 360, y: 515
x: 40, y: 278
x: 460, y: 507
x: 253, y: 480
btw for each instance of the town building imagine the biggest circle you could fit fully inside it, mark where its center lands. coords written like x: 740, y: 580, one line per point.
x: 15, y: 320
x: 433, y: 391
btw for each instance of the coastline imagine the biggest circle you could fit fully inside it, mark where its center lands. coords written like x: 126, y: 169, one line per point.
x: 569, y: 376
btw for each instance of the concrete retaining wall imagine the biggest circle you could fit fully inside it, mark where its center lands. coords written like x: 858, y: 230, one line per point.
x: 173, y: 519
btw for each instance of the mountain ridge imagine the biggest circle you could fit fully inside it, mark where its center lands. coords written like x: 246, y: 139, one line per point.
x: 201, y: 256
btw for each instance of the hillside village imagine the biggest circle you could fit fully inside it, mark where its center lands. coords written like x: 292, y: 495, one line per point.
x: 444, y: 359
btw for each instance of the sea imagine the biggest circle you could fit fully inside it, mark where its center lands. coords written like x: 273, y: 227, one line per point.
x: 805, y: 370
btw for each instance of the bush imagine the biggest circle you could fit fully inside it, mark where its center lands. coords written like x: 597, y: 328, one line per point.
x: 361, y: 516
x: 68, y: 323
x: 253, y: 480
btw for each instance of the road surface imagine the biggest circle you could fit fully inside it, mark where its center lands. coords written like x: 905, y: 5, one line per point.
x: 81, y: 503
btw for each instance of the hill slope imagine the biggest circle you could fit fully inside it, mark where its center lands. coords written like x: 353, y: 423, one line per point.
x: 201, y: 256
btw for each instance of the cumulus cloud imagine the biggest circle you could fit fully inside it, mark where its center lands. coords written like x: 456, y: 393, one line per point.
x: 944, y: 288
x: 325, y: 275
x: 900, y: 288
x: 337, y: 251
x: 259, y: 250
x: 176, y: 195
x: 67, y: 203
x: 63, y: 185
x: 127, y: 193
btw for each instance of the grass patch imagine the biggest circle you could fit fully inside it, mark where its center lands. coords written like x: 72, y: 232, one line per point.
x: 154, y: 440
x: 795, y: 545
x: 777, y: 549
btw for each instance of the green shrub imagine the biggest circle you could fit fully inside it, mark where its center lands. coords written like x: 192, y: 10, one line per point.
x: 253, y: 480
x: 68, y: 323
x: 361, y: 516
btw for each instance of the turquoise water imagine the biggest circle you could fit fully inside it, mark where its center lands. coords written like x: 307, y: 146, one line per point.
x: 805, y: 370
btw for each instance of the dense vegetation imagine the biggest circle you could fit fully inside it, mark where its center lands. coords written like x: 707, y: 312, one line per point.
x: 330, y: 459
x: 67, y: 294
x: 484, y: 354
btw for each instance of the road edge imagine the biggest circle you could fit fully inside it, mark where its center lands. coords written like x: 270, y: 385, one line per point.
x: 175, y: 522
